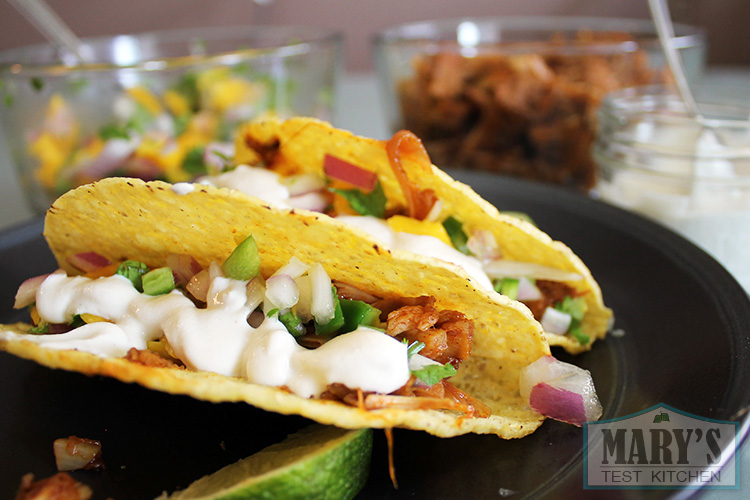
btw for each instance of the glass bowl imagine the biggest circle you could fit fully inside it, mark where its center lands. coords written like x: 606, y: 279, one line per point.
x: 690, y: 174
x: 159, y: 105
x: 517, y: 95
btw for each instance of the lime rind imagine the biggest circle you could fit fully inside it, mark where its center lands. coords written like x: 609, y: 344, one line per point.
x: 318, y: 462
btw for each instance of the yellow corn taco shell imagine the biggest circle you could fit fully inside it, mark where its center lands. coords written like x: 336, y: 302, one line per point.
x: 126, y: 218
x: 299, y: 145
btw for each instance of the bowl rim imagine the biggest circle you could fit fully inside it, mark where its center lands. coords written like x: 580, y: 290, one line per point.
x: 302, y: 40
x: 663, y: 103
x: 422, y: 32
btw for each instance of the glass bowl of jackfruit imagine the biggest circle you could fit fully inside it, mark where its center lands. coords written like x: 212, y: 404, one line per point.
x: 162, y: 105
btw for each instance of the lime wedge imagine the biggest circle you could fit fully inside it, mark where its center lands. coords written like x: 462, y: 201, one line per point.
x: 316, y: 462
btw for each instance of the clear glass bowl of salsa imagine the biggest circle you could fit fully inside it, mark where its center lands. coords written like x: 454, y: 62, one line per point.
x: 161, y: 105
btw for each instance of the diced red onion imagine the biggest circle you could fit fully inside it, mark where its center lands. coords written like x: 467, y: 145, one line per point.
x: 554, y: 321
x: 434, y: 214
x: 215, y: 153
x: 183, y: 267
x: 294, y: 268
x: 256, y: 292
x: 143, y: 168
x: 26, y: 294
x: 483, y: 244
x: 342, y: 170
x: 315, y: 201
x: 527, y: 290
x: 560, y: 391
x: 282, y: 291
x: 304, y: 183
x: 215, y: 270
x: 322, y: 305
x: 113, y: 155
x: 504, y: 268
x: 198, y: 285
x: 543, y: 369
x: 74, y: 453
x: 87, y: 261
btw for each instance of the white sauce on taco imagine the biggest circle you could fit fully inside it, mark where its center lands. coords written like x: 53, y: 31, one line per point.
x: 420, y: 244
x: 216, y: 339
x: 259, y: 182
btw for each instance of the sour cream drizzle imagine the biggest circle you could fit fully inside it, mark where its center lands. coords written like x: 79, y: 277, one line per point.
x: 216, y: 339
x: 255, y: 181
x: 421, y: 244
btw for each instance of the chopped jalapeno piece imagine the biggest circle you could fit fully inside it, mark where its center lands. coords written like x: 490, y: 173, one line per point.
x: 293, y: 323
x: 158, y: 282
x: 456, y: 233
x: 508, y: 287
x: 244, y: 262
x: 134, y: 271
x: 358, y: 313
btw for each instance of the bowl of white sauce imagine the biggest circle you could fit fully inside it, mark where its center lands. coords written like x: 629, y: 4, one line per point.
x: 689, y: 173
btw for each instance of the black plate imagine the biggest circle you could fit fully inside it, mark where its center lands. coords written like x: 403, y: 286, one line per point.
x: 686, y: 344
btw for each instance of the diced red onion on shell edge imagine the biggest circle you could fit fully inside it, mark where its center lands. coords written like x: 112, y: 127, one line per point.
x: 87, y: 261
x: 26, y: 294
x: 184, y: 267
x: 560, y: 391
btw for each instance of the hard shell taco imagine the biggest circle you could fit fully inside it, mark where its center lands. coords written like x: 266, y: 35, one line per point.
x: 391, y: 190
x: 191, y: 289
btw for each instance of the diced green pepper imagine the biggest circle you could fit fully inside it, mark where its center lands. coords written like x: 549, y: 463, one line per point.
x: 158, y: 282
x: 508, y: 287
x: 358, y: 313
x: 293, y: 323
x: 456, y: 233
x: 336, y: 323
x: 578, y: 334
x: 576, y: 307
x: 134, y: 271
x: 244, y: 262
x: 193, y: 162
x: 76, y: 321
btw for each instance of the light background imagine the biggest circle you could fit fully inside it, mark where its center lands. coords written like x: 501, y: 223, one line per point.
x: 726, y: 21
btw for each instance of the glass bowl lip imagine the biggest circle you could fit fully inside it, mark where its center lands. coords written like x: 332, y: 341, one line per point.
x: 664, y: 104
x: 423, y: 32
x: 304, y: 39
